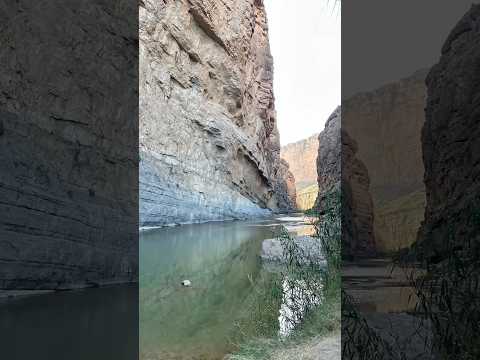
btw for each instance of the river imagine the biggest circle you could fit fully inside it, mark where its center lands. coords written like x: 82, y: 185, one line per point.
x: 229, y: 297
x: 231, y: 300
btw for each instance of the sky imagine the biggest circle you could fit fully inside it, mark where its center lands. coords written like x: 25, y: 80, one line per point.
x: 305, y: 40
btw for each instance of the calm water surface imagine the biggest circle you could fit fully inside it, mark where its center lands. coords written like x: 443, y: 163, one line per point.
x: 200, y: 322
x: 222, y: 262
x: 91, y: 324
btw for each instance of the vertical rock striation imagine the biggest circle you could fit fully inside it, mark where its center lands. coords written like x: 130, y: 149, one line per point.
x: 386, y: 125
x: 209, y: 143
x: 358, y: 238
x: 451, y: 140
x: 329, y: 167
x: 68, y: 162
x: 340, y: 170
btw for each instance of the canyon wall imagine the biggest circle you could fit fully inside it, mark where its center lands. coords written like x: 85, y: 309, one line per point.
x: 451, y: 141
x: 68, y: 144
x: 386, y: 125
x: 209, y: 143
x: 329, y: 167
x: 358, y: 238
x: 302, y: 158
x: 340, y: 171
x: 306, y: 197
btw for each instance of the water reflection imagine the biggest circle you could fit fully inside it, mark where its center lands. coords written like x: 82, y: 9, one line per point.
x: 93, y: 324
x: 232, y: 295
x: 221, y: 260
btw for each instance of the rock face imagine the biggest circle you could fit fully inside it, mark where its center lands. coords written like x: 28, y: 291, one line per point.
x: 386, y: 125
x: 329, y: 167
x: 358, y: 238
x: 286, y: 189
x: 306, y: 197
x: 68, y: 144
x: 451, y: 139
x: 209, y: 143
x: 340, y: 170
x: 302, y: 157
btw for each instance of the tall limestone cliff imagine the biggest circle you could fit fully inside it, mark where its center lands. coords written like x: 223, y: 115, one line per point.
x: 329, y: 166
x: 302, y: 158
x: 209, y: 143
x: 68, y: 143
x: 451, y: 141
x: 386, y: 125
x: 340, y: 171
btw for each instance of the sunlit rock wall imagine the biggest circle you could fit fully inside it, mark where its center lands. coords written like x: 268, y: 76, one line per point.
x: 209, y: 143
x: 302, y: 158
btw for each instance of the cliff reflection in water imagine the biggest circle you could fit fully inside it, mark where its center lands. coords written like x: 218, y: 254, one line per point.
x: 222, y: 261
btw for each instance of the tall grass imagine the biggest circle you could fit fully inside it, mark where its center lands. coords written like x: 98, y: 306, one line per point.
x: 308, y: 290
x: 448, y: 305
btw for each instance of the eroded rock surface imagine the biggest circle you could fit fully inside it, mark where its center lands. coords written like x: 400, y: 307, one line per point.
x: 68, y: 144
x: 209, y: 143
x: 302, y: 158
x: 358, y: 235
x: 451, y: 140
x: 329, y: 167
x: 340, y: 171
x: 386, y: 125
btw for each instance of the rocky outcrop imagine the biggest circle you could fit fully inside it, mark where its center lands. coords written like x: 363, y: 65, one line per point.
x: 209, y: 143
x: 386, y: 125
x: 285, y: 189
x: 68, y: 144
x: 329, y: 167
x: 451, y: 141
x: 358, y: 238
x: 302, y: 157
x: 340, y: 171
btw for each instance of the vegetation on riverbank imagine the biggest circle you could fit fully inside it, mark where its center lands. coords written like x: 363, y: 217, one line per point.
x: 307, y: 292
x: 448, y: 306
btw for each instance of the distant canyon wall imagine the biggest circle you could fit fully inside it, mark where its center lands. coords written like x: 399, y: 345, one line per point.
x: 386, y: 125
x: 209, y: 143
x: 302, y: 158
x: 451, y: 143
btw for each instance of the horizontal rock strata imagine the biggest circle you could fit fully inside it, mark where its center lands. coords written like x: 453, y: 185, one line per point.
x: 209, y: 143
x: 68, y: 144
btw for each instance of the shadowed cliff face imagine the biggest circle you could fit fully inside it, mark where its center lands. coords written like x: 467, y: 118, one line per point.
x: 451, y: 140
x: 340, y: 170
x: 209, y: 143
x: 386, y: 124
x: 68, y: 143
x: 358, y: 238
x: 329, y: 167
